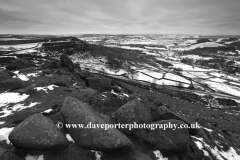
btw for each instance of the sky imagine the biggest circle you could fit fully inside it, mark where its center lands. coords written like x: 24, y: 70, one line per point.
x: 197, y: 17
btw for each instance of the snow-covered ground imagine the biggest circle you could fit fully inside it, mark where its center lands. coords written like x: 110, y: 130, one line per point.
x: 6, y: 111
x: 195, y: 57
x: 11, y: 97
x: 17, y: 47
x: 206, y: 44
x: 219, y: 154
x: 145, y: 72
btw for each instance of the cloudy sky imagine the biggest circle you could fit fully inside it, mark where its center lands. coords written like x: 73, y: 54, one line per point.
x: 120, y: 17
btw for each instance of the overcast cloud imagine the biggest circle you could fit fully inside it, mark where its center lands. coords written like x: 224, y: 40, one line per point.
x: 120, y: 17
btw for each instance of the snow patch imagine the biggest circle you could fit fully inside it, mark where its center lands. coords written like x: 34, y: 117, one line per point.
x: 69, y: 138
x: 50, y: 87
x: 47, y: 111
x: 98, y: 154
x: 35, y: 157
x: 159, y: 155
x: 11, y: 97
x: 4, y: 132
x: 209, y: 130
x: 219, y: 154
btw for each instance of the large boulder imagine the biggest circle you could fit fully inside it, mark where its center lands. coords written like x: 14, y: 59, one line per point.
x: 166, y: 140
x: 99, y: 84
x: 19, y: 64
x: 85, y: 74
x: 62, y: 71
x: 53, y: 64
x: 13, y: 83
x: 72, y: 152
x: 4, y: 76
x: 79, y: 81
x: 62, y: 80
x: 133, y: 112
x: 109, y: 106
x: 37, y: 132
x: 97, y: 138
x: 163, y: 113
x: 66, y: 62
x: 134, y: 155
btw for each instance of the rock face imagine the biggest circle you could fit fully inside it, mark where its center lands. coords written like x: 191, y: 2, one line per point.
x: 37, y: 132
x: 13, y: 83
x: 168, y: 140
x: 76, y: 112
x: 100, y: 84
x: 133, y: 111
x: 66, y: 62
x: 19, y: 64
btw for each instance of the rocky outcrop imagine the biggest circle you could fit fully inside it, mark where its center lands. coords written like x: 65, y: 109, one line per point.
x: 66, y: 62
x: 168, y: 140
x: 100, y: 84
x: 133, y: 112
x: 97, y: 138
x: 37, y: 132
x: 19, y: 64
